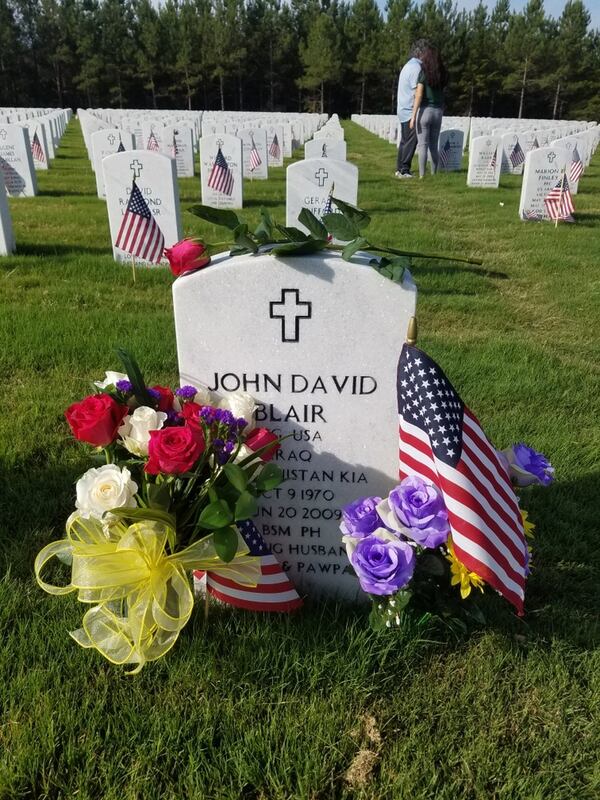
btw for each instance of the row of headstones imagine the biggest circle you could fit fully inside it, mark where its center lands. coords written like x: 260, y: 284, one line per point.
x: 28, y: 141
x: 387, y: 126
x: 311, y: 184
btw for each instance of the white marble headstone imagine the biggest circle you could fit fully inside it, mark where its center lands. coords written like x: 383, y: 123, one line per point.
x: 178, y: 143
x: 39, y: 145
x: 7, y: 239
x: 450, y: 148
x: 16, y: 161
x: 485, y: 162
x: 156, y: 180
x: 153, y: 137
x: 302, y: 343
x: 310, y: 183
x: 254, y: 139
x: 543, y: 169
x: 226, y: 191
x: 105, y: 143
x: 512, y: 153
x: 325, y: 148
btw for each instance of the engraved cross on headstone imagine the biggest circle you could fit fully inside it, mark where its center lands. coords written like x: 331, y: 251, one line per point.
x: 292, y: 311
x: 136, y: 168
x: 321, y: 175
x: 2, y: 134
x: 111, y: 139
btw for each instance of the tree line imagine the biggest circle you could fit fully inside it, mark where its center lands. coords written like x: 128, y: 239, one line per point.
x: 294, y: 56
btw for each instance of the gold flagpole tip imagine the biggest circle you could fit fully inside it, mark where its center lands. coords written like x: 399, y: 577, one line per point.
x: 411, y: 334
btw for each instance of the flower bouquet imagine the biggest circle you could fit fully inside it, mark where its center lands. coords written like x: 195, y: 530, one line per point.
x: 180, y: 469
x: 402, y: 551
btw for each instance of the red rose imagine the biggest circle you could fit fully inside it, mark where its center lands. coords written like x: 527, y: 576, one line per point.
x: 187, y: 255
x: 260, y: 437
x: 174, y: 450
x: 95, y: 419
x: 165, y: 401
x: 190, y: 412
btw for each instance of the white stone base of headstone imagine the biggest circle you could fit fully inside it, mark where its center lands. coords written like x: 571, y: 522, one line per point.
x: 543, y: 170
x: 7, y: 239
x: 485, y: 162
x: 299, y: 334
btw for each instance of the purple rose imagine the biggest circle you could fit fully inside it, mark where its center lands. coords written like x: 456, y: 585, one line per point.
x: 419, y: 506
x: 360, y: 517
x: 528, y: 467
x: 383, y: 563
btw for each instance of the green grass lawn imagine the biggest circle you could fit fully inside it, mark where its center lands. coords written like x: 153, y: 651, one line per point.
x: 314, y: 706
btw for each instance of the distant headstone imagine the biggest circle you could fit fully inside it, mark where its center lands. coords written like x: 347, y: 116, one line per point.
x: 513, y: 154
x: 157, y: 182
x: 275, y: 145
x: 7, y: 239
x: 306, y: 354
x: 16, y: 161
x: 39, y: 146
x: 450, y: 149
x: 178, y: 143
x: 221, y: 171
x: 485, y: 162
x: 153, y: 137
x: 543, y: 170
x: 311, y: 184
x: 105, y: 143
x: 325, y: 148
x: 254, y: 143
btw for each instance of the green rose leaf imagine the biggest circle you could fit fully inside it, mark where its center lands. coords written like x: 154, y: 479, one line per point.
x: 266, y: 228
x: 340, y: 227
x: 314, y: 225
x: 236, y: 476
x: 134, y: 374
x: 270, y: 477
x: 226, y: 543
x: 299, y: 248
x: 292, y: 234
x: 352, y: 247
x: 356, y: 215
x: 217, y: 514
x: 242, y: 239
x: 218, y: 216
x: 246, y: 506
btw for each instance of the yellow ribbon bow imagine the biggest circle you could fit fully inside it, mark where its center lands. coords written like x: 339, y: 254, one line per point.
x: 142, y: 596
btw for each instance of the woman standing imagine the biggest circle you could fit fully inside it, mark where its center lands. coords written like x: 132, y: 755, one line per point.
x: 428, y: 107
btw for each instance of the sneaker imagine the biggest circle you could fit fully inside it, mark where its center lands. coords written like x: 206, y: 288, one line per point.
x: 404, y: 175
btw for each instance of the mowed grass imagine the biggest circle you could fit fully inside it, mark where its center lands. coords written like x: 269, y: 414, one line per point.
x: 314, y: 706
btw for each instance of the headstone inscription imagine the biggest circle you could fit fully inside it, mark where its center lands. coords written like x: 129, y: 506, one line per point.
x: 485, y: 162
x: 325, y: 148
x: 450, y: 149
x: 302, y: 348
x: 221, y: 171
x: 543, y: 170
x: 313, y: 182
x: 105, y: 143
x: 7, y: 240
x: 16, y: 161
x: 155, y: 177
x: 178, y: 143
x: 254, y: 143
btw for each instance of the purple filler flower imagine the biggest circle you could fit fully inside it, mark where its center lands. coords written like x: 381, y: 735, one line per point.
x: 383, y: 566
x: 361, y: 518
x: 186, y: 392
x: 419, y: 506
x: 124, y: 386
x: 531, y: 466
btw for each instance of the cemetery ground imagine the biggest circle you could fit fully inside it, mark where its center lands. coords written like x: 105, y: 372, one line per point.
x: 314, y: 705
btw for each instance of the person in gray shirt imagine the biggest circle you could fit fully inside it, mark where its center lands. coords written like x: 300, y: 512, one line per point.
x: 407, y: 86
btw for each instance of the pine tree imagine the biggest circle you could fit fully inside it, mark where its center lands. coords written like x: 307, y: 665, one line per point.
x: 321, y: 58
x: 364, y: 39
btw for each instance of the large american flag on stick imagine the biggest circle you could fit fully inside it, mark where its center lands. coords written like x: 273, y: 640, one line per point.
x: 221, y: 177
x: 36, y: 149
x: 442, y: 441
x: 558, y: 201
x: 274, y: 592
x: 139, y: 233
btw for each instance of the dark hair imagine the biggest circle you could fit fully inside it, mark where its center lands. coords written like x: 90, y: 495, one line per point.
x: 436, y: 74
x: 418, y: 48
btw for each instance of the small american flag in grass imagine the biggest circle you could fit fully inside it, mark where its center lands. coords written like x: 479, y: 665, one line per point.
x: 255, y: 159
x: 559, y: 203
x: 221, y: 177
x: 139, y: 233
x: 36, y: 149
x: 153, y: 143
x: 275, y: 149
x: 445, y: 154
x: 517, y: 156
x: 576, y: 170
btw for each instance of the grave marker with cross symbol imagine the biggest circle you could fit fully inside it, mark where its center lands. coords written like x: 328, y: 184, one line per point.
x: 2, y: 134
x: 292, y: 311
x: 111, y: 139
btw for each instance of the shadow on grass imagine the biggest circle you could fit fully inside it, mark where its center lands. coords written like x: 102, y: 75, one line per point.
x: 66, y: 193
x: 451, y: 268
x: 61, y: 249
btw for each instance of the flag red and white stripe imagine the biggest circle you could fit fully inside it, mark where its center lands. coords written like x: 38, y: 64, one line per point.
x: 153, y: 143
x: 139, y: 233
x: 442, y: 441
x: 221, y: 177
x: 255, y: 159
x: 558, y: 201
x: 576, y: 169
x: 37, y: 150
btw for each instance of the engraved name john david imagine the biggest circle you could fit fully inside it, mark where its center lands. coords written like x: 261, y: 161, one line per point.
x: 295, y: 383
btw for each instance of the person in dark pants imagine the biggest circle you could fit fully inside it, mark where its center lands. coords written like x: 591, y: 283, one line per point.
x: 407, y: 86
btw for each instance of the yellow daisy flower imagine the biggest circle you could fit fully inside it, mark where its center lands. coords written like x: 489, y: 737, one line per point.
x: 461, y: 575
x: 528, y: 526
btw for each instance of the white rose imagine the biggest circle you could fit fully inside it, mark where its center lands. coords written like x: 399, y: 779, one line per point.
x: 241, y: 404
x: 135, y: 429
x: 103, y: 488
x: 111, y: 378
x: 253, y: 467
x: 204, y: 397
